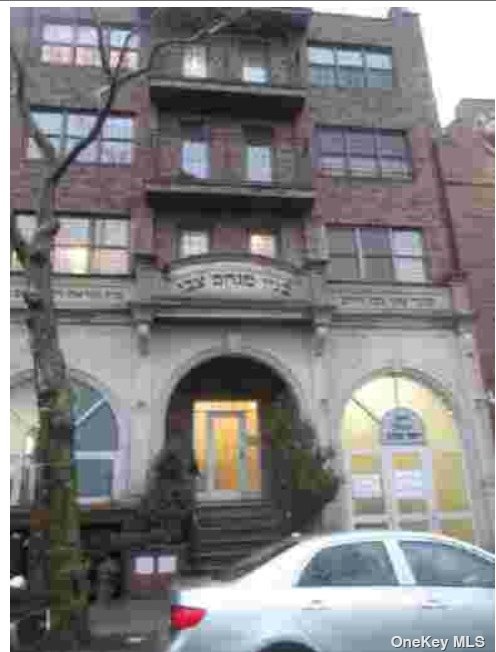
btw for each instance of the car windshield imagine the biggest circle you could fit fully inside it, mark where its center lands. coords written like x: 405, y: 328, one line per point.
x: 258, y: 558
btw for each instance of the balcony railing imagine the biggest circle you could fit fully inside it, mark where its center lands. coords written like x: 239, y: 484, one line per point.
x: 23, y: 476
x: 225, y: 63
x: 232, y: 164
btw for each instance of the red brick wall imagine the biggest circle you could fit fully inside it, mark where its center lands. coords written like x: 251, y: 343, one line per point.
x: 468, y: 168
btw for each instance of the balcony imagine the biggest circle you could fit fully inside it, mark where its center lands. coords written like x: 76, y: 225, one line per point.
x: 224, y: 82
x: 217, y: 173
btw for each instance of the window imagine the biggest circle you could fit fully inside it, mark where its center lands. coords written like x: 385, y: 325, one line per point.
x: 77, y: 45
x: 359, y: 564
x: 258, y: 155
x: 263, y: 243
x: 195, y: 151
x: 195, y: 61
x: 348, y: 67
x: 362, y: 153
x: 377, y: 254
x: 255, y: 70
x: 193, y: 243
x: 96, y: 444
x: 436, y: 564
x: 113, y: 146
x: 85, y: 245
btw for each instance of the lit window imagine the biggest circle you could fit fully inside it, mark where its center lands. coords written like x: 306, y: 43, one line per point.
x: 377, y: 254
x: 195, y: 151
x: 113, y: 146
x: 195, y: 61
x: 85, y: 246
x: 350, y: 67
x: 374, y: 153
x: 404, y: 458
x: 263, y: 243
x: 193, y: 243
x: 77, y: 45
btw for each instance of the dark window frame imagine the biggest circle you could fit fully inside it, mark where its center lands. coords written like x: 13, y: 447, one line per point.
x: 92, y: 245
x: 364, y: 68
x: 359, y: 257
x: 65, y: 138
x: 74, y: 45
x: 348, y: 171
x: 205, y: 128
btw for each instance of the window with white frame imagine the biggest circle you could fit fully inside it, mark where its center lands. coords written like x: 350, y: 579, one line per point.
x: 96, y: 446
x: 195, y: 61
x: 375, y: 153
x: 64, y: 128
x: 377, y: 254
x: 195, y: 153
x: 84, y: 245
x: 255, y: 68
x: 263, y: 243
x: 350, y: 67
x: 193, y: 243
x: 77, y: 45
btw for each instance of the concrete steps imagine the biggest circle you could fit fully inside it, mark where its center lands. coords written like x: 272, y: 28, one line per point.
x: 230, y: 531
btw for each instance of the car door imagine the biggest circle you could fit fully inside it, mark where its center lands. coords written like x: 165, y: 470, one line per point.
x: 350, y: 598
x: 455, y: 592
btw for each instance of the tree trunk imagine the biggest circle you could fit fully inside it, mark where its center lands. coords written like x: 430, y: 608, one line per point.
x: 55, y: 514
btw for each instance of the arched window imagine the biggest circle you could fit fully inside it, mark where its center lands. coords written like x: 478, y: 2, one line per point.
x: 404, y: 458
x: 95, y: 441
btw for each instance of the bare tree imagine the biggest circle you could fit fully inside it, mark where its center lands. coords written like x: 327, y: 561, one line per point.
x: 56, y: 504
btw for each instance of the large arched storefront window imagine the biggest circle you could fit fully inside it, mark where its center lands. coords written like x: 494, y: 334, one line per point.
x: 404, y: 459
x: 96, y: 441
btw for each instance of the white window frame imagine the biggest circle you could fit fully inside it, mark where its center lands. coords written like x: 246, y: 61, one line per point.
x: 185, y: 233
x: 194, y: 65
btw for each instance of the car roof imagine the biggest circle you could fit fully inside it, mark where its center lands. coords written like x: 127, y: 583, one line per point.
x: 354, y: 536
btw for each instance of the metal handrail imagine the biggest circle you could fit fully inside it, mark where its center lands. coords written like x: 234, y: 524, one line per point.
x: 226, y: 162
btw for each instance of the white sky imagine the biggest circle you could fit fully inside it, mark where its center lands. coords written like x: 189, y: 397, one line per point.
x: 459, y: 38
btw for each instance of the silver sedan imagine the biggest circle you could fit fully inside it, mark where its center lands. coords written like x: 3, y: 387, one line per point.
x: 362, y: 591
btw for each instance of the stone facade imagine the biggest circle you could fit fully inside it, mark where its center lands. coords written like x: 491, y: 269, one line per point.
x: 136, y: 338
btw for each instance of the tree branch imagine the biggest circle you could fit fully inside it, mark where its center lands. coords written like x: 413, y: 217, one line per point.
x: 39, y: 137
x: 208, y: 30
x: 17, y: 241
x: 101, y: 44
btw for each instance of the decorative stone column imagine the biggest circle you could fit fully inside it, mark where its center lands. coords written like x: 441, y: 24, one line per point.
x: 480, y: 434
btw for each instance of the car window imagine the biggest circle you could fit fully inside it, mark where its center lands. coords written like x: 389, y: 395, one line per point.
x: 359, y: 564
x: 437, y: 564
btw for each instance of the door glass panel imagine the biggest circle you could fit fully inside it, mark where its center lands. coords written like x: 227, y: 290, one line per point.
x: 449, y: 483
x: 225, y: 433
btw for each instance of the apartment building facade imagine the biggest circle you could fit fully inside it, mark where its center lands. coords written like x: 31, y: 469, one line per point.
x: 260, y: 217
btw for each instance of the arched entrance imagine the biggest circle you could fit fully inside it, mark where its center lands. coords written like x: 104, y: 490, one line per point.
x: 404, y: 458
x: 217, y: 420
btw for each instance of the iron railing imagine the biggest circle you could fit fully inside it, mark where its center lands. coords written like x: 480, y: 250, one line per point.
x: 231, y: 161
